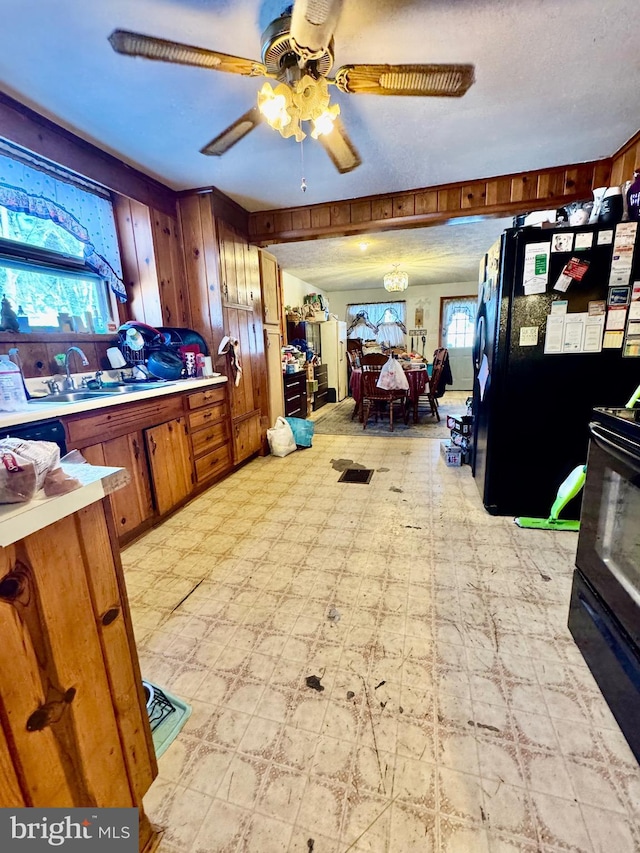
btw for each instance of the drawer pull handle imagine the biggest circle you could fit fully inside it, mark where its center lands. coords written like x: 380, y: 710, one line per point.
x: 297, y: 397
x: 207, y: 416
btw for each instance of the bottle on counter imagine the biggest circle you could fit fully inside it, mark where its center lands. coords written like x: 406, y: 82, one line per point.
x: 633, y: 197
x: 12, y: 394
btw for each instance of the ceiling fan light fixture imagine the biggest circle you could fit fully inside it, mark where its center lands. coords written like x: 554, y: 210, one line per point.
x: 324, y: 123
x: 272, y: 103
x: 396, y: 281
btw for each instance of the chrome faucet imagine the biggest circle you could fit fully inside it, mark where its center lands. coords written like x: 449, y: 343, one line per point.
x: 68, y: 383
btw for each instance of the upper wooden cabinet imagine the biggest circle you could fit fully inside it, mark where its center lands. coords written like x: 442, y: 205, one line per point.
x: 223, y: 272
x: 270, y: 281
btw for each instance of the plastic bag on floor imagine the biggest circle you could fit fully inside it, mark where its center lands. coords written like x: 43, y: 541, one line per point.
x: 302, y: 431
x: 280, y: 438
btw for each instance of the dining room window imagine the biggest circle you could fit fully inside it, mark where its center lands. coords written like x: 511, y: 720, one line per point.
x: 458, y: 321
x: 383, y: 322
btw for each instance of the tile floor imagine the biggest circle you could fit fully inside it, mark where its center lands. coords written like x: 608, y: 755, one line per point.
x: 456, y: 714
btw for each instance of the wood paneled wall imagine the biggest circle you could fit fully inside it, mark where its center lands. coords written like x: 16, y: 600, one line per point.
x: 502, y: 196
x: 625, y: 161
x: 37, y: 351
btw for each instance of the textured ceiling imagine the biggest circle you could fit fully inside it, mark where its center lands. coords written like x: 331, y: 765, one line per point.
x: 556, y: 82
x: 440, y: 254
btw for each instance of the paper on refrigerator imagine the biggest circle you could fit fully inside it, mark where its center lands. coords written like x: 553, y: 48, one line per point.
x: 536, y: 268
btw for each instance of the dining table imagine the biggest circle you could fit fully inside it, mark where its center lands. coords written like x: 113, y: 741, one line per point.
x: 418, y: 380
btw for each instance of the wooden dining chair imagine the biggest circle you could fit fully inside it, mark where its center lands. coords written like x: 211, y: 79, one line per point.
x: 379, y: 398
x: 374, y: 358
x: 439, y: 358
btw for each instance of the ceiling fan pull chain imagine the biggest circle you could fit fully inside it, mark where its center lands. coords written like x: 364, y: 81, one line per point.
x: 303, y: 183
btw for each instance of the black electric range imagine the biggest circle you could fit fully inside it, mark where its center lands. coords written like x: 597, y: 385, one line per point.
x: 604, y: 615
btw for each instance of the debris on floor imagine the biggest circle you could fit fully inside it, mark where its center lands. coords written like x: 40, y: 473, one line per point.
x: 379, y: 685
x: 395, y: 489
x: 344, y: 464
x: 333, y: 615
x: 350, y: 694
x: 314, y: 683
x: 382, y: 470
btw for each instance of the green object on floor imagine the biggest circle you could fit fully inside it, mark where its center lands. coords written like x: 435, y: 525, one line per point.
x: 167, y: 730
x: 634, y: 398
x: 569, y: 488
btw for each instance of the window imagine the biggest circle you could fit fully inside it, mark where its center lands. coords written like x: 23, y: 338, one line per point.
x: 59, y: 259
x: 44, y: 286
x: 383, y: 322
x: 458, y: 321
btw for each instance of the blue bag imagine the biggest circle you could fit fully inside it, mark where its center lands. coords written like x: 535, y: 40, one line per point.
x: 302, y: 431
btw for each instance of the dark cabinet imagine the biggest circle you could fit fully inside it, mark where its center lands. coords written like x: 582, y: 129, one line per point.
x: 295, y: 394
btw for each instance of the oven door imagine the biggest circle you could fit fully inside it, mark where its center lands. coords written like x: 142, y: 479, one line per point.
x: 609, y: 542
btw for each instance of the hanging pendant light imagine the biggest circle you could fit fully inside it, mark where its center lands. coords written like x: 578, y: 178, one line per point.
x: 396, y: 281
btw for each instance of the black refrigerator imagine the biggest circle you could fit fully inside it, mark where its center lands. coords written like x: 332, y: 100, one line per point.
x: 544, y: 297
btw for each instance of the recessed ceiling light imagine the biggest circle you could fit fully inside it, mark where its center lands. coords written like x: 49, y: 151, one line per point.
x: 363, y: 246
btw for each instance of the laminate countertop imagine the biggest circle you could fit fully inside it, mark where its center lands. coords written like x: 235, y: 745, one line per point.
x: 19, y: 520
x: 40, y: 411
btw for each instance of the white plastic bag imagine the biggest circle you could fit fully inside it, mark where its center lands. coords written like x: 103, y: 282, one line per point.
x: 280, y: 438
x: 392, y: 377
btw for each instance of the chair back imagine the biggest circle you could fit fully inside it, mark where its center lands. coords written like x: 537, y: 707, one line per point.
x: 374, y: 358
x: 440, y: 356
x: 353, y: 357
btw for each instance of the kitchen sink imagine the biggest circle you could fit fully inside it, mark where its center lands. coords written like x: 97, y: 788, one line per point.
x: 130, y: 387
x: 71, y: 396
x: 107, y: 390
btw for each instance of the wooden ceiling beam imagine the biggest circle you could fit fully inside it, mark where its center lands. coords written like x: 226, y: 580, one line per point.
x: 502, y: 196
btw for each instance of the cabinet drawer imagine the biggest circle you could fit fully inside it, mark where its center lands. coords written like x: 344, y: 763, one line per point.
x: 205, y: 417
x: 214, y: 463
x: 205, y: 398
x: 321, y: 373
x: 319, y: 399
x: 84, y: 429
x: 294, y: 380
x: 210, y: 438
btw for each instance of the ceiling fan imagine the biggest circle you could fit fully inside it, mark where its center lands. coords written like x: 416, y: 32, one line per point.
x: 298, y: 53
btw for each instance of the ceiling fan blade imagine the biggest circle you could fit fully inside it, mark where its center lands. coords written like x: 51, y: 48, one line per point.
x: 312, y: 25
x: 430, y: 80
x: 340, y: 148
x: 137, y: 44
x: 234, y: 133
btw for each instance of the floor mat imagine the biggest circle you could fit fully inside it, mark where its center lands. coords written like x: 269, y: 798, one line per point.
x: 171, y: 721
x: 336, y: 420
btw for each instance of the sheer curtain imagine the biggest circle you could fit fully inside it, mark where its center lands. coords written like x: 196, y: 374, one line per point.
x: 88, y: 216
x: 380, y: 321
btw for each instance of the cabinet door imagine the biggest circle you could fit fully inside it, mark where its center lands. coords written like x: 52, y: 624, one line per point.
x: 246, y: 438
x: 228, y: 264
x: 270, y: 290
x: 131, y: 505
x: 239, y: 322
x: 274, y: 373
x: 170, y: 463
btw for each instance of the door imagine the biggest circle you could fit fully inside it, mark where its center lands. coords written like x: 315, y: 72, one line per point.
x: 273, y: 341
x: 270, y: 294
x: 457, y: 326
x: 170, y: 463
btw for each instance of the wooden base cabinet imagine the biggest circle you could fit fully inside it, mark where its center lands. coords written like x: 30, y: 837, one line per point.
x: 209, y: 432
x: 170, y: 462
x: 74, y: 730
x: 247, y: 437
x: 133, y: 504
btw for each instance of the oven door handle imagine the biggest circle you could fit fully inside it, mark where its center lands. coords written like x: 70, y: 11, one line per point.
x: 627, y: 452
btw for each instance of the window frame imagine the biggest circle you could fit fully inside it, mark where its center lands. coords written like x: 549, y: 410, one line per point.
x: 38, y: 259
